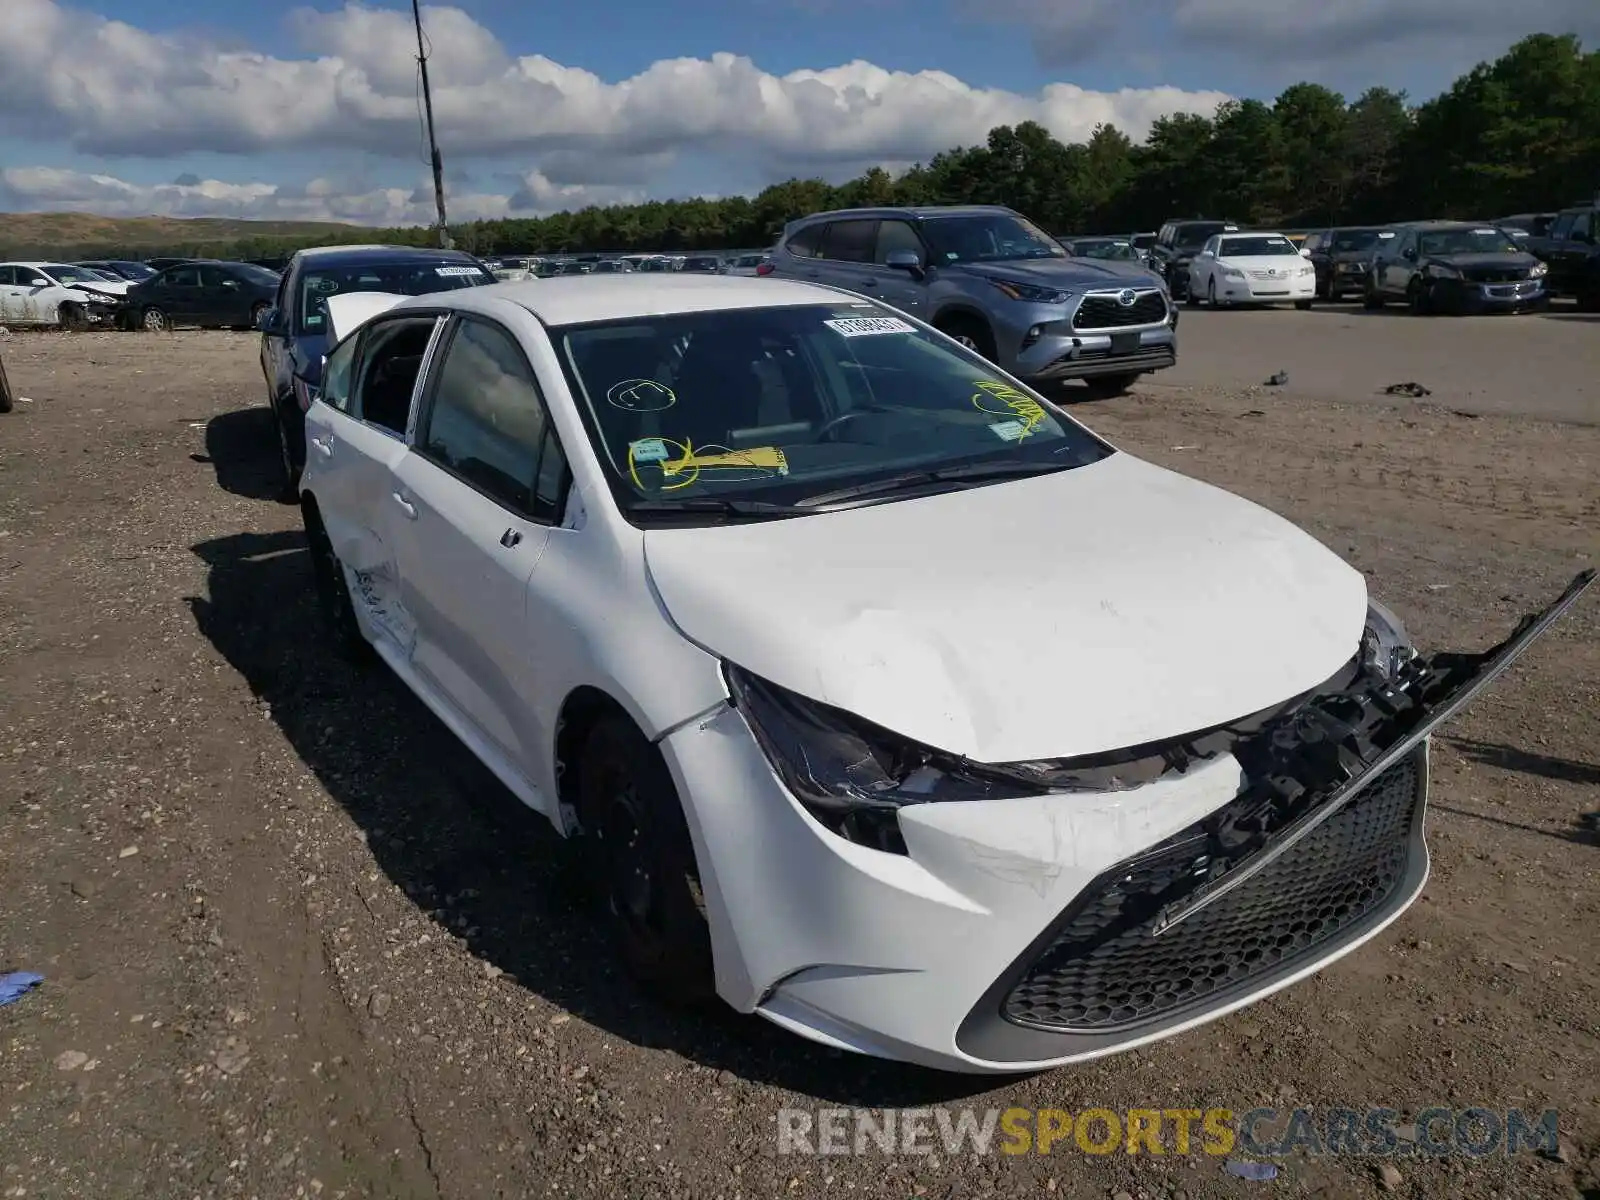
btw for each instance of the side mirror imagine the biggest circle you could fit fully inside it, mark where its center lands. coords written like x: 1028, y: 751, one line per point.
x: 40, y: 281
x: 230, y: 283
x: 1409, y: 254
x: 905, y: 260
x: 1304, y: 253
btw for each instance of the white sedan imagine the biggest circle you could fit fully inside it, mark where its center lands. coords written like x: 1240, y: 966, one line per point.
x: 1251, y: 268
x: 44, y: 293
x: 893, y: 704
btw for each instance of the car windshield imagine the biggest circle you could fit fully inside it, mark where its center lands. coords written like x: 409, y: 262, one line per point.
x: 1354, y: 239
x: 134, y: 270
x: 1256, y: 247
x: 1107, y: 248
x: 65, y: 273
x: 988, y: 237
x: 1192, y: 237
x: 257, y: 274
x: 784, y: 403
x: 1483, y: 240
x: 411, y: 277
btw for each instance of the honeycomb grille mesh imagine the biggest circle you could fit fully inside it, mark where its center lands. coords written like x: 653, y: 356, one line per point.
x: 1104, y: 312
x: 1103, y: 970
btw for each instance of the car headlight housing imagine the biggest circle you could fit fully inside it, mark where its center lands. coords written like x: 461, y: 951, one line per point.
x: 1032, y: 293
x: 1538, y: 270
x: 1385, y: 645
x: 851, y: 775
x: 1440, y: 271
x: 1304, y: 271
x: 1232, y: 273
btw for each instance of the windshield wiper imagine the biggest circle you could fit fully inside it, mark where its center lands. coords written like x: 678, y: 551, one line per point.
x: 714, y: 506
x: 898, y: 483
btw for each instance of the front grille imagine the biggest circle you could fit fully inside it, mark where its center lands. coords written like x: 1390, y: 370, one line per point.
x: 1107, y: 312
x: 1104, y: 971
x: 1495, y: 274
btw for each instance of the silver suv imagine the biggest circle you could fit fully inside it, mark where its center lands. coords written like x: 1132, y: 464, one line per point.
x: 991, y: 279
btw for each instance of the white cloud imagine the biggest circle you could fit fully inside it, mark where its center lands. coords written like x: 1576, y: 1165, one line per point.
x: 107, y: 88
x: 1288, y: 37
x: 53, y: 190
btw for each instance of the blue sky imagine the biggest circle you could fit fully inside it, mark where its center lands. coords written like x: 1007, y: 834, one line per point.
x: 265, y: 110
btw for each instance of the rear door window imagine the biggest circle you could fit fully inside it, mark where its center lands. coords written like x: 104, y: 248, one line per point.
x: 853, y: 241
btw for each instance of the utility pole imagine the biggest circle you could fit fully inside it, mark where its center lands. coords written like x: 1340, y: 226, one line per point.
x: 433, y: 145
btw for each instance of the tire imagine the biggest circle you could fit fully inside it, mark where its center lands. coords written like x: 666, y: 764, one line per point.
x: 972, y: 333
x: 333, y: 593
x: 1303, y: 305
x: 638, y: 841
x: 1107, y: 387
x: 1417, y: 296
x: 1211, y: 292
x: 153, y: 320
x: 291, y: 472
x: 255, y: 314
x: 1371, y: 298
x: 6, y: 399
x: 72, y: 318
x: 1189, y: 297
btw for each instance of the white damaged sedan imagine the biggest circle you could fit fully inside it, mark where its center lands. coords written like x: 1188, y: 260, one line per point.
x: 892, y: 703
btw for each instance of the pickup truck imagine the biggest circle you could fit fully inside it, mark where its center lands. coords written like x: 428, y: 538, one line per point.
x: 1572, y: 250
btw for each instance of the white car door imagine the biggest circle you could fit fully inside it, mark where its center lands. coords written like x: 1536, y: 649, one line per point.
x: 1201, y: 270
x: 10, y: 296
x: 354, y: 443
x: 481, y: 489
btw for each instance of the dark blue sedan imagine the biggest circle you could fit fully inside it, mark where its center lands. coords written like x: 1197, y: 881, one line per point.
x: 294, y: 332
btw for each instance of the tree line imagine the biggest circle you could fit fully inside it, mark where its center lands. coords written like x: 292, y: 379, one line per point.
x: 1520, y: 134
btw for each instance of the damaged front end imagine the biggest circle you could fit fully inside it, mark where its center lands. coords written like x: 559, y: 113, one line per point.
x: 1320, y: 848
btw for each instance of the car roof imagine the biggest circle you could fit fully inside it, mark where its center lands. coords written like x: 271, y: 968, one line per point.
x: 914, y: 210
x: 580, y: 299
x: 364, y: 255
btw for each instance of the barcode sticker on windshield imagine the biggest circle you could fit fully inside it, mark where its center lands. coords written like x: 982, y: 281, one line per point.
x: 862, y: 326
x: 457, y: 271
x: 1386, y: 233
x: 1008, y: 431
x: 650, y: 450
x: 1485, y: 232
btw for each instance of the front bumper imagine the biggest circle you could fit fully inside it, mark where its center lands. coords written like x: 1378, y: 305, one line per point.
x: 1096, y: 337
x: 1466, y: 296
x: 1027, y: 933
x: 1266, y: 291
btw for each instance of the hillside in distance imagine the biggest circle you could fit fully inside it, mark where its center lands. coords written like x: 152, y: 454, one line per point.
x: 85, y: 235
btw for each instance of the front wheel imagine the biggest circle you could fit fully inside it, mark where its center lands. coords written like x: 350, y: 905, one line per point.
x: 72, y: 318
x: 291, y: 470
x: 634, y: 827
x: 1303, y: 305
x: 1419, y: 296
x: 1371, y: 298
x: 971, y: 333
x: 153, y: 320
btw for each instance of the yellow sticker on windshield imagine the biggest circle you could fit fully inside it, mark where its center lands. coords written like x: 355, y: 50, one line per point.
x: 1003, y: 400
x: 681, y: 462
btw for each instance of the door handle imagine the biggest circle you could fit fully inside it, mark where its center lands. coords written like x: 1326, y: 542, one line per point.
x: 406, y: 506
x: 324, y: 446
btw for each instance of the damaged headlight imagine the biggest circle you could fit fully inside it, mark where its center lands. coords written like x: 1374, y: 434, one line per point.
x: 851, y: 775
x: 1385, y: 645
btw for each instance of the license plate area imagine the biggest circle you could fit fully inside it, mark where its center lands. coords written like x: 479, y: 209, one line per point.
x: 1125, y: 343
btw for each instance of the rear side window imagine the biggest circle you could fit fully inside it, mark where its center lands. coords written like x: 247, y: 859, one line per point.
x: 391, y: 359
x: 851, y: 241
x: 1563, y: 225
x: 338, y: 374
x: 805, y: 242
x: 488, y: 426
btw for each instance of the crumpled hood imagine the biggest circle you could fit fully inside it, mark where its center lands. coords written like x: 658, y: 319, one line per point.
x: 1090, y: 610
x: 107, y: 290
x: 1066, y: 273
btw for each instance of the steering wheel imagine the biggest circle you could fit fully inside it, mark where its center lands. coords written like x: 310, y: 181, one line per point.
x: 845, y: 418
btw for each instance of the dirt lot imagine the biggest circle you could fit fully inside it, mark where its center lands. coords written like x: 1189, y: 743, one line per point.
x: 299, y: 944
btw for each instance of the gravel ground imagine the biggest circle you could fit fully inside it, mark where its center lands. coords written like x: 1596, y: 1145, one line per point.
x: 298, y: 943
